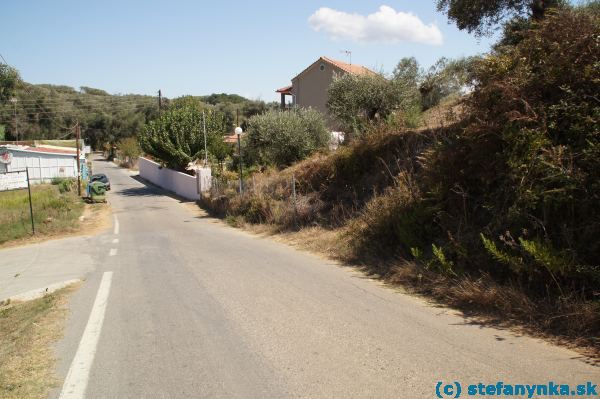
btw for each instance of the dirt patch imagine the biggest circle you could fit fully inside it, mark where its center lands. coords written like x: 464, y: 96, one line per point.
x: 27, y: 332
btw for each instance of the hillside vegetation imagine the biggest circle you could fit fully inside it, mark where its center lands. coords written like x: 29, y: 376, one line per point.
x: 46, y: 112
x: 496, y: 212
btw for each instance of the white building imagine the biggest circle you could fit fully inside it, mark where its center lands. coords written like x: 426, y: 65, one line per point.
x: 43, y: 164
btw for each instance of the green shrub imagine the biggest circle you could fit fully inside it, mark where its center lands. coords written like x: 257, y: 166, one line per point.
x: 177, y: 137
x: 281, y: 138
x: 64, y: 184
x: 358, y: 101
x: 129, y: 150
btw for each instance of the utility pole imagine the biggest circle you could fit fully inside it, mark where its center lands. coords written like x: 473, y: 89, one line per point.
x: 159, y: 101
x: 14, y: 101
x: 205, y: 150
x: 77, y: 136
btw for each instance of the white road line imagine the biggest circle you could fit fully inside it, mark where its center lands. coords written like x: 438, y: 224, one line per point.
x: 79, y: 372
x: 113, y: 252
x: 116, y: 225
x: 115, y: 241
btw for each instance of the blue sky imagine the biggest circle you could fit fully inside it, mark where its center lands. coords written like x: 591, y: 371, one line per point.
x: 200, y: 47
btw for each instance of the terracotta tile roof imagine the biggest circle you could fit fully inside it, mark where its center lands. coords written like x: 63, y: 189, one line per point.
x: 286, y: 89
x: 43, y: 150
x: 350, y: 68
x: 52, y: 150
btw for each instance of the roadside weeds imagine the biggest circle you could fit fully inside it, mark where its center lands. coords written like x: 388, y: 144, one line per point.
x: 27, y: 332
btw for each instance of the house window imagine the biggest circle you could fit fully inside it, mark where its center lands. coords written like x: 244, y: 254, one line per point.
x: 322, y: 67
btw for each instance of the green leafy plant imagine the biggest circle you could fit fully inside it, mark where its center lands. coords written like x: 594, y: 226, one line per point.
x: 281, y: 138
x: 177, y: 137
x: 439, y: 258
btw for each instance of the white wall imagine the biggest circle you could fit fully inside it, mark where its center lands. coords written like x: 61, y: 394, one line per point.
x: 44, y: 167
x: 179, y: 183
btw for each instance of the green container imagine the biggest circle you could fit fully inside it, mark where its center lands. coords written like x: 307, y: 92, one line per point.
x: 97, y: 191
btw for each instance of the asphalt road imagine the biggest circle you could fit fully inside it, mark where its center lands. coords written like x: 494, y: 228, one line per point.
x: 196, y: 309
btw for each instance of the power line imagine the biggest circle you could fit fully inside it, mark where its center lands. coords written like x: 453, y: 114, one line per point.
x: 79, y: 103
x: 67, y: 109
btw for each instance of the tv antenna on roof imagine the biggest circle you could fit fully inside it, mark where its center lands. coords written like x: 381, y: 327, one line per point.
x: 348, y: 54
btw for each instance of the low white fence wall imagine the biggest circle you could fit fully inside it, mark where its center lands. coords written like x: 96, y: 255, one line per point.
x: 179, y: 183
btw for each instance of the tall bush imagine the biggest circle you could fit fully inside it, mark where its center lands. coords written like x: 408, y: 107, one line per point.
x: 281, y: 138
x: 528, y: 163
x: 176, y: 138
x: 357, y: 101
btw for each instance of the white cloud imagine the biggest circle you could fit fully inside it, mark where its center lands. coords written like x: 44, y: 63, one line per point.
x: 384, y: 26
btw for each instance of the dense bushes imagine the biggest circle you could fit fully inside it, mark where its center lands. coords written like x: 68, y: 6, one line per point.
x: 514, y: 192
x: 281, y: 138
x: 356, y: 101
x: 176, y: 138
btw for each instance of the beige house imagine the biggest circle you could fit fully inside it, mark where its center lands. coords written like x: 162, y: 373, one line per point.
x: 309, y: 87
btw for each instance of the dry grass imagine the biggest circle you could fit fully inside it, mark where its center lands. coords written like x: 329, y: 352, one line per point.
x: 449, y: 111
x: 314, y: 239
x: 27, y: 332
x: 569, y: 321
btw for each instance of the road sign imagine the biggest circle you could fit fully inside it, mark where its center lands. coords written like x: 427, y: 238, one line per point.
x: 5, y: 156
x: 13, y: 180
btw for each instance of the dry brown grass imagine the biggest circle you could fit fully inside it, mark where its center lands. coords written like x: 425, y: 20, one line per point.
x: 449, y: 111
x: 315, y: 239
x: 27, y: 332
x: 568, y: 321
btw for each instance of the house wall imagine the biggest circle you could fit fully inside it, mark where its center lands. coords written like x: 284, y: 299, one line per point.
x: 310, y: 88
x: 43, y: 167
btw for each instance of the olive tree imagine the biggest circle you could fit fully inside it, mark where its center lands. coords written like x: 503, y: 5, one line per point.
x: 481, y: 16
x: 281, y: 138
x: 359, y: 100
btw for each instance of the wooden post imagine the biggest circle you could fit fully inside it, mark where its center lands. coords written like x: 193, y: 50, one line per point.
x: 30, y: 205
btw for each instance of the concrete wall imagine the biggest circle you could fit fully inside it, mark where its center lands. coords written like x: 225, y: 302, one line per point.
x: 179, y: 183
